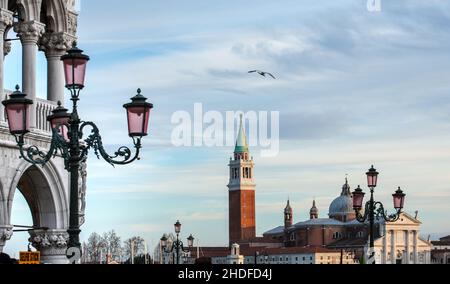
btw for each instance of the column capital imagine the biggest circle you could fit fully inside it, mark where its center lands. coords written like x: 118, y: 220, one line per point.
x: 29, y: 32
x: 50, y: 242
x: 6, y: 48
x: 6, y: 233
x: 6, y: 19
x: 56, y: 44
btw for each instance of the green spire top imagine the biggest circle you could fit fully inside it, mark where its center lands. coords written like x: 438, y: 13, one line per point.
x: 241, y: 142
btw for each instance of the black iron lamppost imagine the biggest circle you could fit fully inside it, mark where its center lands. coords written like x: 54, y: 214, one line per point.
x: 375, y: 209
x: 68, y: 132
x: 177, y: 245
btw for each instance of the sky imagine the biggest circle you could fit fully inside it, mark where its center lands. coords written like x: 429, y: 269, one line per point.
x: 354, y: 88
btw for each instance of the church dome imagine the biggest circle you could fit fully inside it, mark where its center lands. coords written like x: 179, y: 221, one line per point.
x: 342, y: 207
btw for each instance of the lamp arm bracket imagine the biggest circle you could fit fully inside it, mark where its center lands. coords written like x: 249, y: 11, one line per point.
x: 35, y: 156
x: 363, y: 218
x: 381, y: 212
x: 122, y: 156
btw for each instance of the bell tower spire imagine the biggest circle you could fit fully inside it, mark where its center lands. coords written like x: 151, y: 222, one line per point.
x: 242, y: 222
x: 288, y: 216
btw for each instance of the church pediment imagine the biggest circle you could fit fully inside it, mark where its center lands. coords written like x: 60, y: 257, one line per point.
x: 406, y: 219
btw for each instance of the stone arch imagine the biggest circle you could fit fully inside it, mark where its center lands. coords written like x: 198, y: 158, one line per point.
x: 54, y: 15
x: 44, y: 192
x: 29, y: 10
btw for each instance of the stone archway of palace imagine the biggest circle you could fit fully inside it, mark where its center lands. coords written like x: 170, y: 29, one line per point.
x: 44, y: 191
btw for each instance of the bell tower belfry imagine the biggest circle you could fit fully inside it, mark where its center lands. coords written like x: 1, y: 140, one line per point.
x: 242, y: 221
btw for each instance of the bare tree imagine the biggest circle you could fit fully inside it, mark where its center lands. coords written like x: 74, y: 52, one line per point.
x: 112, y: 245
x: 94, y: 248
x: 138, y: 247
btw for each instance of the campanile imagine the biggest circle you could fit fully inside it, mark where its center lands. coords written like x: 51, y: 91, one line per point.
x: 242, y: 223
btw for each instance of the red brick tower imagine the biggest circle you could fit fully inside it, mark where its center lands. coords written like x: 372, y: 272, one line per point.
x: 242, y: 222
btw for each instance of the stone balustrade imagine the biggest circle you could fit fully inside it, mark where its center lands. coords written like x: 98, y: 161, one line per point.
x: 43, y: 110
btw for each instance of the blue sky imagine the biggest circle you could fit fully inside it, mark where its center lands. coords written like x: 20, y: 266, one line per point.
x: 354, y: 88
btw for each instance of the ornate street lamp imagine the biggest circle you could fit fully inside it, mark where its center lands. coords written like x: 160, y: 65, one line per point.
x: 177, y: 245
x: 177, y: 226
x: 375, y: 209
x: 18, y: 113
x: 68, y: 130
x: 372, y: 177
x: 190, y: 240
x: 75, y: 63
x: 60, y: 120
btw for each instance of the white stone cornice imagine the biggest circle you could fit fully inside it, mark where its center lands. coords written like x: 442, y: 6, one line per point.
x: 6, y: 19
x: 29, y: 31
x: 56, y: 44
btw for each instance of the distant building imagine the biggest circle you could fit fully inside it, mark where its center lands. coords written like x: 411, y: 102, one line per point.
x: 441, y: 251
x: 395, y: 243
x: 295, y: 255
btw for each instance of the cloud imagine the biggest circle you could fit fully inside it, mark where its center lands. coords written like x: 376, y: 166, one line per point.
x: 145, y: 228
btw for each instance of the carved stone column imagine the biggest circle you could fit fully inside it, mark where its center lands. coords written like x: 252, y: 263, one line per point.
x: 415, y: 248
x: 407, y: 245
x: 29, y: 34
x: 393, y: 247
x: 55, y: 45
x: 385, y: 248
x: 82, y: 191
x: 6, y: 20
x: 52, y: 245
x: 6, y: 233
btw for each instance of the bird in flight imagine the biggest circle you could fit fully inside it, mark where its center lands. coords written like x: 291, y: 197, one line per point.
x: 262, y: 73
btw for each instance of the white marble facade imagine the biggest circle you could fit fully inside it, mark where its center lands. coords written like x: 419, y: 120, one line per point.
x: 47, y: 26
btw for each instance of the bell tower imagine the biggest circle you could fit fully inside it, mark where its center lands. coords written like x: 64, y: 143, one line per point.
x: 288, y: 216
x: 242, y: 223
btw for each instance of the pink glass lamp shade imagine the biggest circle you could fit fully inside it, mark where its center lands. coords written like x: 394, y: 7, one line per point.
x: 138, y: 114
x: 75, y: 63
x: 399, y: 199
x: 60, y: 120
x: 358, y: 198
x: 18, y: 112
x: 372, y: 177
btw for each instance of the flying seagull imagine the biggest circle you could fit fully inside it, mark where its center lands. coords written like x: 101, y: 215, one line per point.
x: 262, y: 73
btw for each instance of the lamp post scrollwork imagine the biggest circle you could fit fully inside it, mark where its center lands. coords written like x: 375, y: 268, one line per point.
x: 68, y: 132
